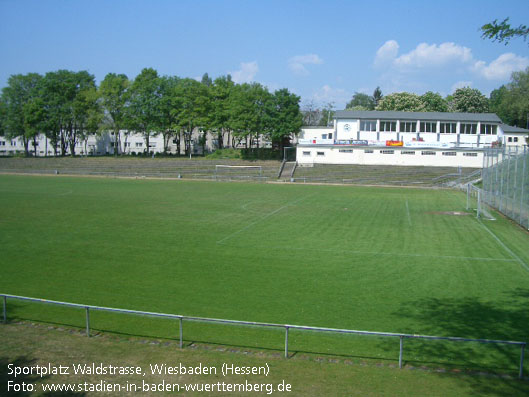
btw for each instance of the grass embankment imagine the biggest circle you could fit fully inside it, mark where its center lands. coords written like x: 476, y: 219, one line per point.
x: 31, y: 345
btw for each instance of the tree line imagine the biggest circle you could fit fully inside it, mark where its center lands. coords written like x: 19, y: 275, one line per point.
x: 67, y: 107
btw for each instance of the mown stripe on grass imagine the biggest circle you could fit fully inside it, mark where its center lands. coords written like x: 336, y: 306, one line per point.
x: 502, y: 244
x: 262, y: 218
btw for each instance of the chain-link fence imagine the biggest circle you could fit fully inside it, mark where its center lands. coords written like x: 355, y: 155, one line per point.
x: 506, y: 182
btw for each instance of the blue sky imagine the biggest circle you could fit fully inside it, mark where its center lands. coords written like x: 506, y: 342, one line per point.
x: 321, y: 50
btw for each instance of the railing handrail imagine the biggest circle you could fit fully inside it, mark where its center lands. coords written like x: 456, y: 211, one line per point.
x: 262, y: 324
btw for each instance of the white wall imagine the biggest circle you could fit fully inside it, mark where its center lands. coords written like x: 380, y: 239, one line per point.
x: 366, y: 155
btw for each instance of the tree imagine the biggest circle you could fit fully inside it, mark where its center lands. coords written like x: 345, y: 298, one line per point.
x: 169, y: 103
x: 499, y: 103
x: 54, y: 93
x: 327, y: 114
x: 361, y: 101
x: 67, y: 100
x: 192, y: 108
x: 87, y: 116
x: 21, y: 90
x: 434, y: 102
x: 287, y: 117
x: 206, y: 80
x: 377, y: 96
x: 144, y: 108
x: 221, y: 91
x: 250, y: 112
x: 3, y: 114
x: 511, y: 102
x: 114, y: 97
x: 470, y: 100
x: 311, y: 113
x: 502, y: 32
x: 402, y: 101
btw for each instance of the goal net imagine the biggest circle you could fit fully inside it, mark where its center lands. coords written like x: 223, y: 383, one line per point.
x: 238, y: 172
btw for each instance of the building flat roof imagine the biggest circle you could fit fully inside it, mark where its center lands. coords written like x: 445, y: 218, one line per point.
x: 427, y: 116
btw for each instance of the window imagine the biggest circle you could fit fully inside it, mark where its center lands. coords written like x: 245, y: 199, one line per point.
x: 468, y: 128
x: 368, y: 151
x: 387, y: 151
x: 139, y: 144
x: 509, y: 139
x: 306, y: 153
x: 449, y: 153
x: 2, y: 143
x: 488, y: 129
x: 428, y: 127
x: 427, y: 153
x: 320, y: 153
x: 323, y: 136
x: 368, y: 125
x: 13, y: 143
x: 515, y: 139
x: 408, y: 126
x: 330, y: 135
x: 346, y: 150
x: 470, y: 154
x: 388, y: 126
x: 448, y: 128
x: 410, y: 152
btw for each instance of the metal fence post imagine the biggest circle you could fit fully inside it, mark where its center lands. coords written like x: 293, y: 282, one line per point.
x: 5, y: 309
x: 286, y: 342
x: 479, y: 204
x: 520, y: 375
x: 87, y: 321
x: 524, y: 160
x: 501, y: 179
x: 181, y: 333
x: 468, y: 196
x: 400, y: 352
x: 513, y: 216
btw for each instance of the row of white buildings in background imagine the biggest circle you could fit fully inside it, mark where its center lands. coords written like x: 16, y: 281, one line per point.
x: 406, y: 138
x: 103, y: 144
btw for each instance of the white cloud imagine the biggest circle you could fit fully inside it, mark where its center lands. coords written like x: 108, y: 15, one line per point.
x: 502, y: 67
x: 246, y: 73
x: 328, y: 94
x: 387, y: 53
x: 298, y: 62
x: 433, y: 55
x: 461, y: 84
x: 428, y: 65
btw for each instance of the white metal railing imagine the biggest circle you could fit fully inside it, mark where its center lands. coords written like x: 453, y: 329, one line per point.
x: 286, y: 327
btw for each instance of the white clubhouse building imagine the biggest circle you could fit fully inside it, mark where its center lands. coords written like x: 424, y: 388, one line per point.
x: 406, y: 138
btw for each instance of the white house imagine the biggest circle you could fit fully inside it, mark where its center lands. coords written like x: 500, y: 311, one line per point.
x: 406, y: 138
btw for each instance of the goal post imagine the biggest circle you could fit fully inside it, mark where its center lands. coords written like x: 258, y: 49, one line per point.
x: 476, y: 198
x: 238, y: 171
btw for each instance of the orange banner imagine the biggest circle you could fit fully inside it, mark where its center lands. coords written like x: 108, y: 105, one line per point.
x: 394, y: 143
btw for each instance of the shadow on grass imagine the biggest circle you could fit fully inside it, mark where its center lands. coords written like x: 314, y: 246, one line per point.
x: 475, y: 318
x: 18, y: 385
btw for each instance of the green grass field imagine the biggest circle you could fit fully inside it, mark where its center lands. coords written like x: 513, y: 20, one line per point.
x: 380, y: 259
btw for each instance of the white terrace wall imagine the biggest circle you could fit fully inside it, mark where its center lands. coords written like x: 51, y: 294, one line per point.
x: 368, y: 155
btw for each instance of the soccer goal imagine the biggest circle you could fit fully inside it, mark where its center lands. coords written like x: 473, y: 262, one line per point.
x: 238, y: 172
x: 475, y: 198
